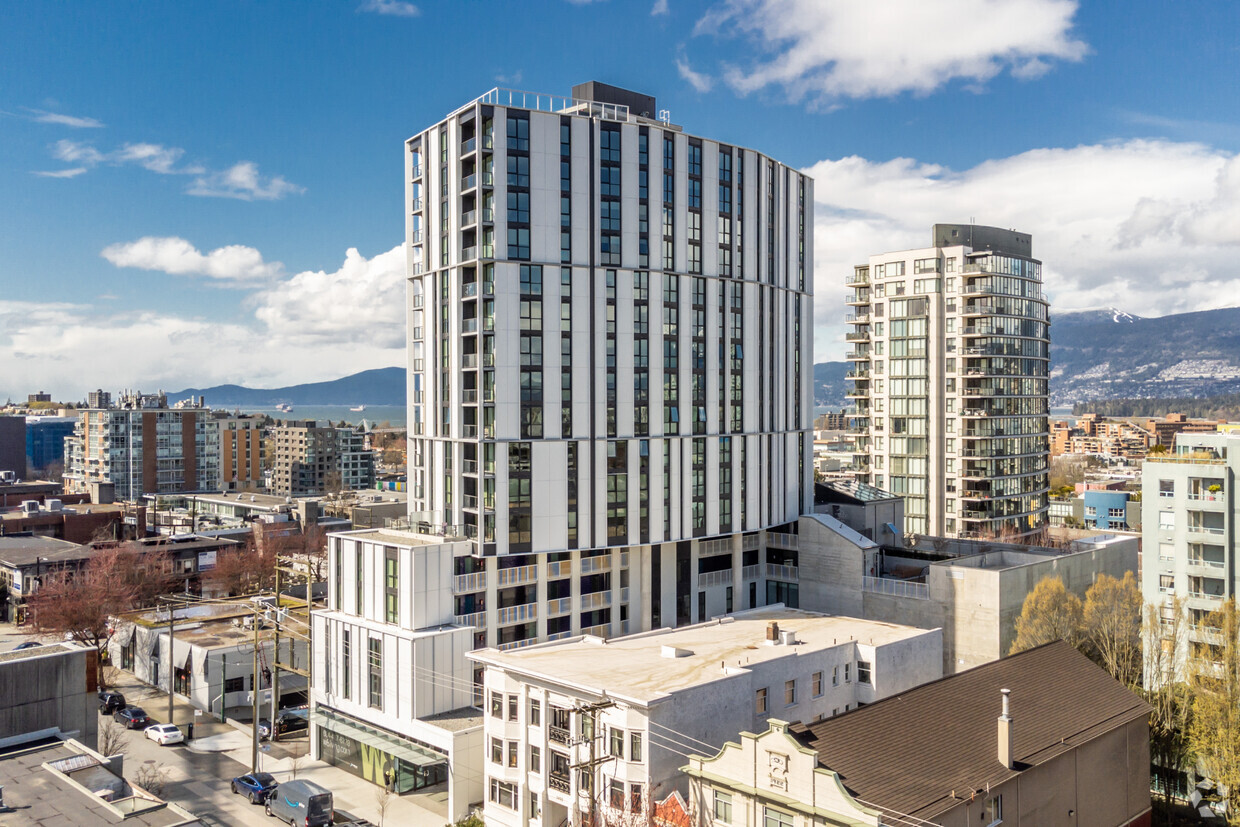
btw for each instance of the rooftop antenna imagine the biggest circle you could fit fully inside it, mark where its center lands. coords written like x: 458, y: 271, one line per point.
x: 665, y: 115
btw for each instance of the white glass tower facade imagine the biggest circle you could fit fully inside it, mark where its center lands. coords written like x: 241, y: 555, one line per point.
x: 610, y: 339
x: 950, y: 368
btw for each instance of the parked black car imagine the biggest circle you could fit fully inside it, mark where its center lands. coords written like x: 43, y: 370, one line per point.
x: 290, y: 720
x: 133, y: 717
x: 110, y: 702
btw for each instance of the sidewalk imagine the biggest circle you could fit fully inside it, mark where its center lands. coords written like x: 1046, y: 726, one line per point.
x: 360, y: 798
x: 357, y: 797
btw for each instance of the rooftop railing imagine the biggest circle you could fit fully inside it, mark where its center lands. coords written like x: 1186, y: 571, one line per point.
x: 558, y: 104
x: 896, y: 588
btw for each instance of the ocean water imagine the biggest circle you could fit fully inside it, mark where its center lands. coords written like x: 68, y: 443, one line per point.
x: 374, y: 414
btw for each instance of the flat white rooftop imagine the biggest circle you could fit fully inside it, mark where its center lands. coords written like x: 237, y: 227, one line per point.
x: 637, y: 667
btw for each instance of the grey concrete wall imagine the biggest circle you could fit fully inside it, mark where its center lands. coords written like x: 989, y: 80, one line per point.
x: 830, y: 570
x: 47, y: 690
x: 1078, y: 571
x: 969, y: 600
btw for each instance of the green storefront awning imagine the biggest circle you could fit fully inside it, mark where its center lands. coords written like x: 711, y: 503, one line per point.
x: 393, y: 745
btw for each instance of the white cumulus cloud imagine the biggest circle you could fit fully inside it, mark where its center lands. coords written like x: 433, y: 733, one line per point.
x: 362, y: 301
x: 153, y: 157
x: 75, y: 152
x: 235, y: 265
x: 699, y: 81
x: 822, y: 51
x: 311, y: 326
x: 1147, y: 226
x: 243, y: 182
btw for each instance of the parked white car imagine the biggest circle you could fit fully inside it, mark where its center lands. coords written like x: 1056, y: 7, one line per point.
x: 164, y: 734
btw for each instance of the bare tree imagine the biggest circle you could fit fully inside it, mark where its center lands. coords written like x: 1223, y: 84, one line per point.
x: 245, y: 570
x: 307, y: 549
x: 1050, y: 612
x: 383, y: 800
x: 113, y: 739
x: 152, y: 778
x: 115, y: 579
x: 295, y: 762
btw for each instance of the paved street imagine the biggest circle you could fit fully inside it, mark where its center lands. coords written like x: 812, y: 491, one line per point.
x: 199, y: 781
x: 198, y: 778
x: 11, y: 635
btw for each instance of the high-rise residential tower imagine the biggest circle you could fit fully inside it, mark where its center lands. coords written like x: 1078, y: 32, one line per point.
x: 950, y: 366
x: 140, y: 445
x: 610, y: 339
x: 610, y: 332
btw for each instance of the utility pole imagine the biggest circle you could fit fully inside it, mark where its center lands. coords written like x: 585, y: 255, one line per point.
x: 591, y: 766
x: 275, y: 656
x: 170, y: 657
x: 291, y: 635
x: 254, y: 678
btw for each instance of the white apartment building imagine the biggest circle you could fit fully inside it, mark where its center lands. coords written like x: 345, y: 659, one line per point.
x: 143, y: 446
x: 610, y: 339
x: 1189, y: 516
x: 313, y: 457
x: 950, y: 369
x: 595, y: 726
x: 393, y: 696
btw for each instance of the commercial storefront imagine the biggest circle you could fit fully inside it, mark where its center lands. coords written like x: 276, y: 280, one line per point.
x: 380, y: 757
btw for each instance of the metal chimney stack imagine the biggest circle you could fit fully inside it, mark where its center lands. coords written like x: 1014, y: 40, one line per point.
x: 1005, y: 733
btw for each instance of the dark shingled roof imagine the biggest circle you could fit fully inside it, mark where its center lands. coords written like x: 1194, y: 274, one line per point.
x: 910, y: 751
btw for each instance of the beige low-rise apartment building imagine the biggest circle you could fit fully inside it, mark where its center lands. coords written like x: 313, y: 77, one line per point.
x: 1041, y: 739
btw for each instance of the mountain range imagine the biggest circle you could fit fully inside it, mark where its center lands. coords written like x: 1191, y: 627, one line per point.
x: 381, y: 386
x: 1111, y: 354
x: 1095, y: 354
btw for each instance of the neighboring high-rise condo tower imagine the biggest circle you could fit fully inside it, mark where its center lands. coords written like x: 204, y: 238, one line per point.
x: 950, y: 365
x: 610, y: 337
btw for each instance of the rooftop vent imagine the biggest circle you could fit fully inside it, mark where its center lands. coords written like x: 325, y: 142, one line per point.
x: 1005, y: 733
x: 772, y: 633
x: 674, y: 652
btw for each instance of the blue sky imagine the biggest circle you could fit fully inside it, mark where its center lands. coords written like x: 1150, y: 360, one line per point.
x: 199, y: 193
